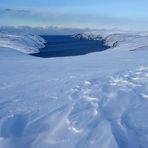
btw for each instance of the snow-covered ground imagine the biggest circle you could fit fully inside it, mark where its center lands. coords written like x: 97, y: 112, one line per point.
x: 90, y: 101
x: 26, y: 43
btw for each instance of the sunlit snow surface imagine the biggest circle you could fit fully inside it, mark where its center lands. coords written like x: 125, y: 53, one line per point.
x: 26, y: 43
x: 96, y: 100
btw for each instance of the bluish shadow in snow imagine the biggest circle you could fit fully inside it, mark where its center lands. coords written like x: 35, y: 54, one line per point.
x: 13, y: 126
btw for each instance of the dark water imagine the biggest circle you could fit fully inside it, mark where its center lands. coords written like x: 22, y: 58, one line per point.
x: 61, y: 46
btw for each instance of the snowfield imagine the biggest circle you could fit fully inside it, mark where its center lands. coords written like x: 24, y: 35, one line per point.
x: 90, y: 101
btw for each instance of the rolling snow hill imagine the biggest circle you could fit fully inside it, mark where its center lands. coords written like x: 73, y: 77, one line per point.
x: 26, y: 43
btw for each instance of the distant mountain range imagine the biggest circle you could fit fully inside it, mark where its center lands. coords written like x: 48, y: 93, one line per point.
x: 51, y: 30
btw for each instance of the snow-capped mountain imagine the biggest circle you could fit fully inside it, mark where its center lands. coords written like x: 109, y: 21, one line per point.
x: 50, y: 30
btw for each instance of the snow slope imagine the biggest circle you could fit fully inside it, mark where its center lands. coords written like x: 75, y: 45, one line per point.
x: 89, y: 101
x: 119, y: 38
x: 26, y: 43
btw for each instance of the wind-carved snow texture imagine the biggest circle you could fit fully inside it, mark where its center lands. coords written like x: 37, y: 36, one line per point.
x: 107, y: 113
x: 120, y: 103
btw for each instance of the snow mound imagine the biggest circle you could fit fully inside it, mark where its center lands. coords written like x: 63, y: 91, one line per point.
x: 26, y: 43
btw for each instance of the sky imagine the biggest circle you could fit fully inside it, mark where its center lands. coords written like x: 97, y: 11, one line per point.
x: 95, y: 14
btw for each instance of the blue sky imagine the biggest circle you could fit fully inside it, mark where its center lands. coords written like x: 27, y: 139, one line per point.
x: 125, y: 14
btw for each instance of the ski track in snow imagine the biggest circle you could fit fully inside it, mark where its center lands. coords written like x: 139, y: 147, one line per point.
x: 109, y: 113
